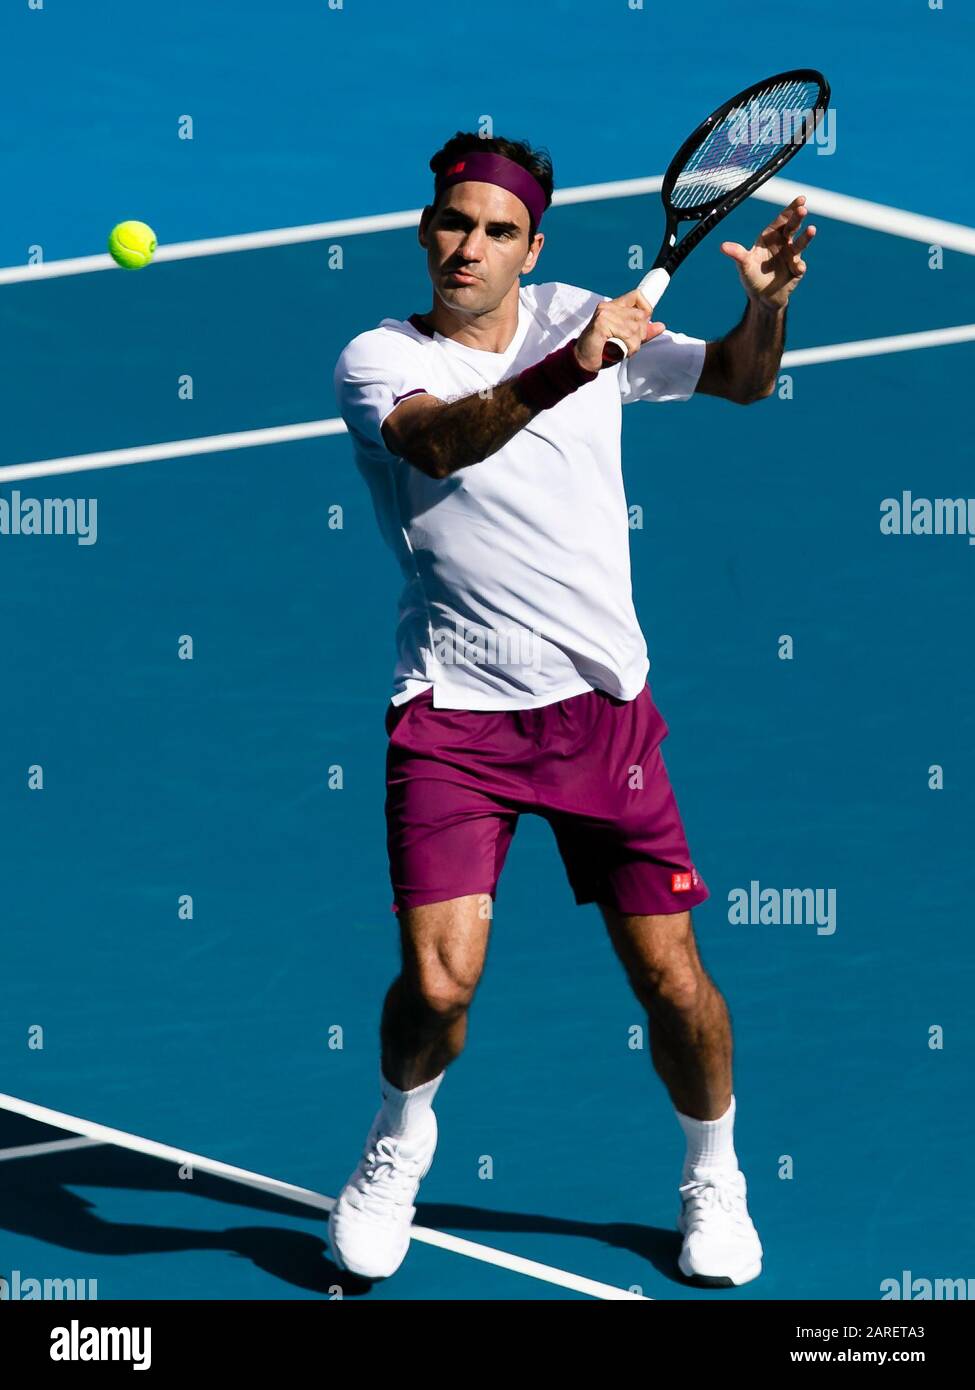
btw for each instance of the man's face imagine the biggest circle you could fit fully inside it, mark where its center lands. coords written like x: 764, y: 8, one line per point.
x: 477, y: 246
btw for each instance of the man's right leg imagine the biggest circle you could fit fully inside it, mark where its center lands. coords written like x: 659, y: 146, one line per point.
x: 424, y: 1022
x: 423, y: 1029
x: 450, y: 817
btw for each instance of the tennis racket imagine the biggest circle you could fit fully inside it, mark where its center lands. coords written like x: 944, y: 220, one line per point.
x: 740, y: 145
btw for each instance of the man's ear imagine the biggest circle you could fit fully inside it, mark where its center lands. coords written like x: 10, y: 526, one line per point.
x: 424, y: 227
x: 534, y: 251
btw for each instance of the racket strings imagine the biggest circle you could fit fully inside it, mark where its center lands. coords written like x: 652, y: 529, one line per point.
x: 747, y: 139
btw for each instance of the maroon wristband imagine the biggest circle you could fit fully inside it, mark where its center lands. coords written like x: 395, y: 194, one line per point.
x: 559, y: 374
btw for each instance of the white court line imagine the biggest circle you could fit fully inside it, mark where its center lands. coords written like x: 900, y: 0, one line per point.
x: 174, y: 448
x: 221, y: 245
x: 596, y: 192
x: 53, y: 1146
x: 876, y: 216
x: 102, y: 1134
x: 877, y: 347
x: 315, y: 429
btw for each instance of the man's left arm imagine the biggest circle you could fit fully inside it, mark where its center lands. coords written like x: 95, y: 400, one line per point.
x: 743, y: 366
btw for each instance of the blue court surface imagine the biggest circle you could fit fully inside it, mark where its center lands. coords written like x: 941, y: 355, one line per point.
x: 249, y: 778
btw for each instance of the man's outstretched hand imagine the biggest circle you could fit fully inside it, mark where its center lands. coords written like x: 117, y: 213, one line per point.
x: 774, y: 266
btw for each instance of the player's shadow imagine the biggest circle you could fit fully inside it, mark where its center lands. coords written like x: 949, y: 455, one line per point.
x: 36, y: 1200
x: 654, y: 1245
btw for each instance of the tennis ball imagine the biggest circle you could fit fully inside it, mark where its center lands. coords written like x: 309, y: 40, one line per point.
x: 132, y: 244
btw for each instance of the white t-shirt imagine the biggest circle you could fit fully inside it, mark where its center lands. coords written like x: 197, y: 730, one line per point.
x: 517, y: 568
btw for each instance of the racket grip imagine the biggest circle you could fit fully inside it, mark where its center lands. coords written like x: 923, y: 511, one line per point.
x: 653, y: 286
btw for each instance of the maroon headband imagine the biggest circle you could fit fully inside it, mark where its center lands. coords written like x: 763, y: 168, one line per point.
x: 481, y: 167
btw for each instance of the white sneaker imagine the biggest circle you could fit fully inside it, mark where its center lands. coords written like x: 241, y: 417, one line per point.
x: 721, y: 1245
x: 369, y: 1225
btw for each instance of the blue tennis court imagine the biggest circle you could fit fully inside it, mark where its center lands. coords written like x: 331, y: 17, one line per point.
x: 196, y: 933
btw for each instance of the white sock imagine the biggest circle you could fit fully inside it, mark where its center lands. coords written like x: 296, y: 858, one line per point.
x: 710, y: 1143
x: 404, y: 1112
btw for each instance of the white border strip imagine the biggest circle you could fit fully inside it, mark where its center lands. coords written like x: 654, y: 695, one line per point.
x: 316, y: 429
x: 876, y: 216
x: 102, y: 1134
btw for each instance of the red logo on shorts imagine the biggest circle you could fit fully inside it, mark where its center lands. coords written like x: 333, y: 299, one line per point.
x: 683, y: 883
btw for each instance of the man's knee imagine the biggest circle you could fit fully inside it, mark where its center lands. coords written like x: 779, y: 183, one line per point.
x: 439, y: 993
x: 444, y: 947
x: 676, y: 986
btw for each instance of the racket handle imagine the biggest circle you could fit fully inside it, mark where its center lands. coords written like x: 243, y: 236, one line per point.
x: 653, y: 286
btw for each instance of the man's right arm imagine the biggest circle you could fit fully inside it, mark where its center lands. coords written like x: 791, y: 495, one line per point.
x: 440, y: 437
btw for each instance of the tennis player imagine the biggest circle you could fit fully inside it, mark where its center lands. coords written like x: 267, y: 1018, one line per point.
x: 489, y: 435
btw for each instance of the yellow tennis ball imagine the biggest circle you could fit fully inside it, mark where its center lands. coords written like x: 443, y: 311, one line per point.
x: 132, y: 244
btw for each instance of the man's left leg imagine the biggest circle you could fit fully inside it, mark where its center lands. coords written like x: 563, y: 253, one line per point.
x: 691, y: 1049
x: 689, y: 1027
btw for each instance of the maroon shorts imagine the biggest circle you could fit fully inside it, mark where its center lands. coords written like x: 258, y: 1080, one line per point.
x: 457, y: 781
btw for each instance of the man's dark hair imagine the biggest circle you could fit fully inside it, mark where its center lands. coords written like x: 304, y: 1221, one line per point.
x: 537, y: 162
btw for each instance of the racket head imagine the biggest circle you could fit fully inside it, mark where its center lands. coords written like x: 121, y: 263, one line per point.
x: 743, y: 143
